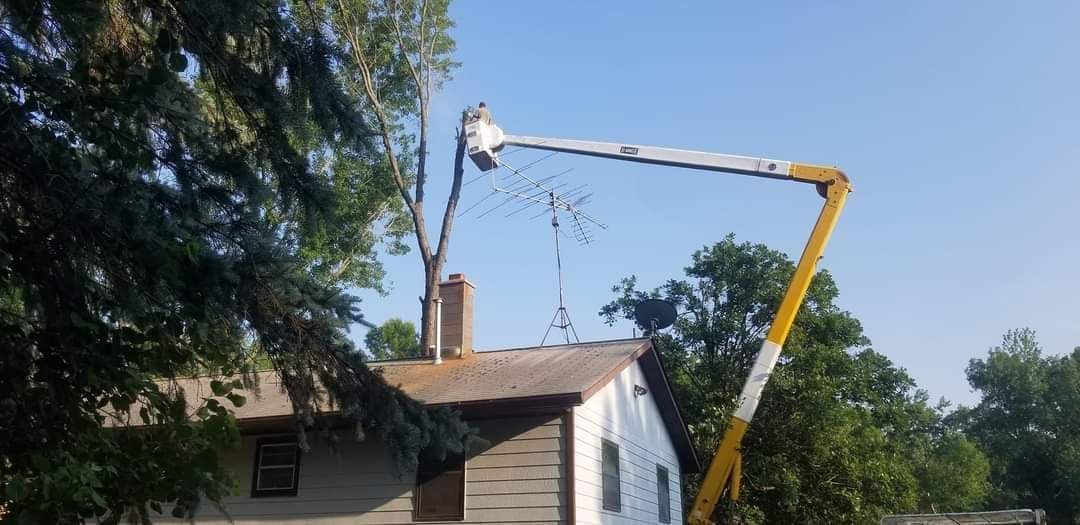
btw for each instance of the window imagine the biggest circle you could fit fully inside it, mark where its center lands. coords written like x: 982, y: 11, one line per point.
x: 611, y: 482
x: 440, y: 489
x: 277, y: 467
x: 663, y: 495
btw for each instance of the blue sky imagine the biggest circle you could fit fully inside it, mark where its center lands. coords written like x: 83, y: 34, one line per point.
x: 959, y: 123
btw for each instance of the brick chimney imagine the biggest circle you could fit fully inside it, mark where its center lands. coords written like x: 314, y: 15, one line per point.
x: 457, y: 315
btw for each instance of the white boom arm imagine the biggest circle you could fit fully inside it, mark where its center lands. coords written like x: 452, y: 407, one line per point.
x: 485, y: 140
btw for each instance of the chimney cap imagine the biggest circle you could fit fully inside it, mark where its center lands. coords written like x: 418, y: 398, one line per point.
x: 457, y: 278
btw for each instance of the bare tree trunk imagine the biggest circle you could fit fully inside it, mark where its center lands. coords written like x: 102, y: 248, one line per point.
x: 433, y: 268
x: 427, y: 310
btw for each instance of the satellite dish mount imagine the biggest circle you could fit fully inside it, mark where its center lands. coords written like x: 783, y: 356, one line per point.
x: 653, y: 315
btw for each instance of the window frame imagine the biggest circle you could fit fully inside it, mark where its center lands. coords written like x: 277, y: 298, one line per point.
x: 616, y: 506
x: 256, y: 492
x: 459, y: 514
x: 663, y: 495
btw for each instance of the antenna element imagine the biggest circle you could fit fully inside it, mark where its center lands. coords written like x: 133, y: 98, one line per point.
x: 546, y: 193
x: 561, y: 320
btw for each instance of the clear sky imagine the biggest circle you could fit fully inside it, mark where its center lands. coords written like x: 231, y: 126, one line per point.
x: 959, y: 123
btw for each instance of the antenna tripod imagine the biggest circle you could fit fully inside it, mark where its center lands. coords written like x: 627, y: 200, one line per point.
x: 561, y: 319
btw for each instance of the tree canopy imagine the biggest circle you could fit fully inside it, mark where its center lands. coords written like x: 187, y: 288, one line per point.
x: 1028, y: 423
x: 397, y: 54
x: 841, y: 432
x: 183, y: 186
x: 394, y: 339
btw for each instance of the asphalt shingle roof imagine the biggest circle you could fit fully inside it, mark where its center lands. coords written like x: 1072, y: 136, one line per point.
x: 481, y: 376
x: 563, y: 375
x: 515, y: 373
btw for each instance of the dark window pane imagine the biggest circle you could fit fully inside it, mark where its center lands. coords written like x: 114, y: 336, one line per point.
x: 277, y: 464
x: 440, y: 490
x: 611, y: 481
x: 278, y: 455
x: 442, y: 494
x: 275, y: 478
x: 663, y: 495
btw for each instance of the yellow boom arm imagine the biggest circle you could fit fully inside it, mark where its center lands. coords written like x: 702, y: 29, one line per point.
x: 485, y: 139
x: 725, y: 469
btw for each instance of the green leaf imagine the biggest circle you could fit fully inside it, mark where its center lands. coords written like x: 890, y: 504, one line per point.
x: 219, y: 388
x: 237, y: 399
x: 165, y: 42
x: 121, y: 403
x: 178, y: 62
x: 14, y: 489
x: 158, y: 75
x: 40, y: 462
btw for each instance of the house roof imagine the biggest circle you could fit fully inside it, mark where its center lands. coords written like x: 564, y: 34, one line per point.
x: 517, y: 373
x: 500, y: 382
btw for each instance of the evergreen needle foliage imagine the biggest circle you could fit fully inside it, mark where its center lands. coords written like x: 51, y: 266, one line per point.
x: 184, y: 187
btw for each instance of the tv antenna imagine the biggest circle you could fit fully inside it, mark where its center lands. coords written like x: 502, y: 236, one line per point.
x: 562, y: 318
x: 554, y: 199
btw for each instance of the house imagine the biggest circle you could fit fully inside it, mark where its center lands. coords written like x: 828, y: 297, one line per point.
x: 580, y: 433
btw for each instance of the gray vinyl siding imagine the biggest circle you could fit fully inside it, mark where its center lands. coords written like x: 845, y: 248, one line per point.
x: 520, y: 479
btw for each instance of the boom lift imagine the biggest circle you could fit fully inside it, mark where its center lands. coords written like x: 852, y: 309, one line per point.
x: 485, y: 140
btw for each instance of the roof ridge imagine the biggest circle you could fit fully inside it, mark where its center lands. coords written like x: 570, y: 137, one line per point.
x: 555, y: 347
x: 604, y: 342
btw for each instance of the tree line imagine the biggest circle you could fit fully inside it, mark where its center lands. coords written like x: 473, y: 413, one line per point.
x: 843, y: 434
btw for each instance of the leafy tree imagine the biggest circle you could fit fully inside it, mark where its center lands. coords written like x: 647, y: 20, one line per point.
x: 394, y: 339
x: 954, y: 476
x: 398, y: 52
x: 1028, y: 424
x: 166, y: 206
x: 833, y: 438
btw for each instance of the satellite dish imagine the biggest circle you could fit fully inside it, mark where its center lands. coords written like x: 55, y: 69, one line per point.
x: 654, y: 314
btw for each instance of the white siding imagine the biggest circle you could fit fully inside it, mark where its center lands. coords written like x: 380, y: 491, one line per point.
x: 520, y: 479
x: 634, y: 424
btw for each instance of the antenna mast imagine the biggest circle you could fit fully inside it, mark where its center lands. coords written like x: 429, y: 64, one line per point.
x: 561, y: 320
x: 547, y: 193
